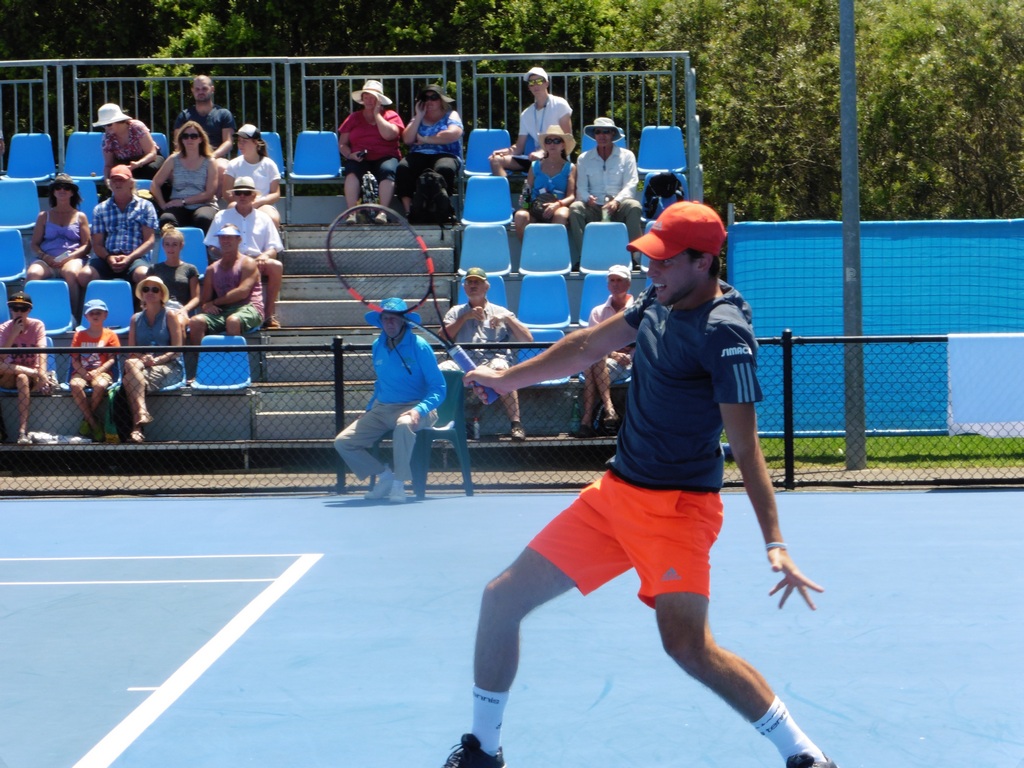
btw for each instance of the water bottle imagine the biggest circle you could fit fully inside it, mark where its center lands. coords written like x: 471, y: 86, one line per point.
x: 524, y: 197
x: 605, y: 213
x: 476, y: 428
x: 576, y: 419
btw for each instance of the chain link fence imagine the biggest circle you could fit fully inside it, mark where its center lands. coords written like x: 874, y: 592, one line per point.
x: 275, y: 433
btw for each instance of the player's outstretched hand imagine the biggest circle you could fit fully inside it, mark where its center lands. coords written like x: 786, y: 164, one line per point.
x: 793, y: 579
x: 481, y: 377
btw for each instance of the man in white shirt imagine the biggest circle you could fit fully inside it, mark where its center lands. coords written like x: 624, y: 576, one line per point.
x: 547, y: 110
x: 260, y: 240
x: 606, y: 182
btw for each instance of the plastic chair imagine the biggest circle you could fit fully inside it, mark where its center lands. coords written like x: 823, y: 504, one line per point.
x: 90, y: 198
x: 544, y: 302
x: 12, y: 256
x: 496, y: 294
x: 274, y: 150
x: 485, y: 246
x: 160, y: 139
x: 594, y: 294
x: 5, y: 311
x: 545, y: 250
x: 51, y: 303
x: 451, y: 426
x: 19, y: 203
x: 120, y: 304
x: 481, y: 143
x: 31, y: 157
x: 604, y: 245
x: 83, y: 157
x: 661, y: 149
x: 223, y: 371
x: 317, y: 157
x: 548, y: 336
x: 193, y: 252
x: 488, y: 201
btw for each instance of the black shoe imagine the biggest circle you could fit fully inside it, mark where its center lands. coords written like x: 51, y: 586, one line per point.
x: 469, y: 755
x: 518, y: 433
x: 806, y: 761
x: 585, y: 431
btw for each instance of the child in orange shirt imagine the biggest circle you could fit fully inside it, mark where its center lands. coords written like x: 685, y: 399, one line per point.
x: 93, y: 369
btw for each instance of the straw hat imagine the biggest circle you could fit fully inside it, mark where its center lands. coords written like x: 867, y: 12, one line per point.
x: 556, y: 130
x: 376, y: 88
x: 152, y: 280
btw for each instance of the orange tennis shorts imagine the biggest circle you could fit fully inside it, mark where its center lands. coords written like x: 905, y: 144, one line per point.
x: 614, y: 526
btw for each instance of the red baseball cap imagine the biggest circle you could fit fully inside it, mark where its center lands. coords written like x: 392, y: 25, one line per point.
x: 120, y: 172
x: 681, y: 226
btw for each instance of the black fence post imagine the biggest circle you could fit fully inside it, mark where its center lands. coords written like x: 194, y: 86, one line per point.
x: 789, y: 452
x: 337, y: 345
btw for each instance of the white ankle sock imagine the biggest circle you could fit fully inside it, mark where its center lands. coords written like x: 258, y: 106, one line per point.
x: 488, y: 711
x: 785, y: 734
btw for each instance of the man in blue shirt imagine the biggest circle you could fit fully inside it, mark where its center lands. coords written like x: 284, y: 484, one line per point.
x: 657, y: 509
x: 408, y: 390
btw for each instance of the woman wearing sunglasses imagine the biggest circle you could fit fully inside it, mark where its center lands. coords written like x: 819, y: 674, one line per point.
x: 552, y: 181
x: 148, y: 372
x: 25, y: 373
x: 192, y: 172
x: 434, y: 138
x: 61, y: 241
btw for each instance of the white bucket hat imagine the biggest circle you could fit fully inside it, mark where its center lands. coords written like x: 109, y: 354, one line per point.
x: 604, y: 122
x: 110, y: 113
x: 376, y: 88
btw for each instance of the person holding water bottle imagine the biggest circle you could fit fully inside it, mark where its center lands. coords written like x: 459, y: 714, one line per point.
x: 552, y: 182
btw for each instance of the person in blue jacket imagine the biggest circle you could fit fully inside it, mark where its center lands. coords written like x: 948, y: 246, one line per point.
x: 408, y: 390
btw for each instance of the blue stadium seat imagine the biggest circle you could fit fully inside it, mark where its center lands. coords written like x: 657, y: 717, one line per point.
x: 90, y: 198
x: 12, y: 256
x: 544, y: 302
x: 51, y: 303
x: 488, y: 201
x: 160, y: 139
x: 5, y: 311
x: 274, y: 149
x: 496, y: 294
x: 545, y: 250
x: 485, y: 246
x: 83, y: 157
x: 604, y: 244
x: 223, y: 371
x: 481, y: 143
x: 594, y: 294
x: 19, y: 203
x: 546, y: 336
x: 450, y: 426
x: 193, y: 252
x: 31, y: 157
x: 317, y: 157
x: 117, y: 294
x: 661, y: 149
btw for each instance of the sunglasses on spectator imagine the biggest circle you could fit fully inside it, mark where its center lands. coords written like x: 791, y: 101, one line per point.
x: 242, y: 193
x: 604, y: 131
x: 65, y: 187
x: 19, y: 308
x: 149, y: 289
x: 536, y: 81
x: 430, y: 96
x: 553, y: 140
x: 190, y: 135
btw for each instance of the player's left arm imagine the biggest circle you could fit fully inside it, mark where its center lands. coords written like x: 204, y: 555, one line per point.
x: 740, y: 420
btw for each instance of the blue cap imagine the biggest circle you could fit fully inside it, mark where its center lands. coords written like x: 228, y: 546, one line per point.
x: 395, y: 306
x: 92, y: 304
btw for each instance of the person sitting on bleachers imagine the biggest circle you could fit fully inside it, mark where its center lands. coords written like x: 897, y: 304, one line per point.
x: 547, y: 109
x: 599, y: 377
x: 254, y: 162
x: 480, y: 321
x: 93, y: 370
x: 551, y: 182
x: 606, y: 183
x: 180, y: 277
x: 123, y: 233
x: 231, y: 302
x: 368, y: 140
x: 26, y: 373
x: 434, y: 138
x: 217, y: 122
x: 260, y: 239
x: 61, y: 240
x: 192, y: 173
x: 127, y: 141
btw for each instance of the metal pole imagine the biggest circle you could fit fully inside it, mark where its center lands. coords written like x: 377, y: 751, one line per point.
x: 789, y: 451
x: 853, y: 354
x: 339, y: 403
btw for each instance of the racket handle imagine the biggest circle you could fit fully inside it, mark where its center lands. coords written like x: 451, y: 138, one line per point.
x: 458, y: 354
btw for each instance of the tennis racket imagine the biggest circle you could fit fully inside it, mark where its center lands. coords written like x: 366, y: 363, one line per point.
x: 376, y: 254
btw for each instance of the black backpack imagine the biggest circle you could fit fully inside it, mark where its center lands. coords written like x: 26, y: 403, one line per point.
x: 662, y: 190
x: 430, y: 203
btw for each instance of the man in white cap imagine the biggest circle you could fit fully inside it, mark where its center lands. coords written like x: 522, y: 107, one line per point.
x: 547, y: 109
x: 658, y: 508
x: 260, y: 240
x: 598, y: 378
x: 218, y: 122
x: 231, y: 300
x: 606, y: 182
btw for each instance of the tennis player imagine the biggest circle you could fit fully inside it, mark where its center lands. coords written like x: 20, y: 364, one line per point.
x: 657, y: 509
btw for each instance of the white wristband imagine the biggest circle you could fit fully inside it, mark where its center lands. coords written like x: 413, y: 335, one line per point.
x: 775, y: 545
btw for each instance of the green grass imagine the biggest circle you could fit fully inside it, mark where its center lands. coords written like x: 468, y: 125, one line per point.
x: 904, y: 452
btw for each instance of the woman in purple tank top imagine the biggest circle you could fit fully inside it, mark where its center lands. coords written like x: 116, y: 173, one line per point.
x: 60, y: 241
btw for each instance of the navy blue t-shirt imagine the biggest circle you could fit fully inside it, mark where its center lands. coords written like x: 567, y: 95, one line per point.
x: 686, y: 363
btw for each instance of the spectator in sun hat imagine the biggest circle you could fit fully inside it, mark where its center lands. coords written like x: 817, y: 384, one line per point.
x: 480, y: 321
x: 127, y: 141
x: 61, y: 240
x: 408, y: 389
x: 254, y: 162
x: 25, y: 372
x: 546, y: 110
x: 606, y: 181
x: 551, y: 182
x: 369, y: 142
x: 434, y: 138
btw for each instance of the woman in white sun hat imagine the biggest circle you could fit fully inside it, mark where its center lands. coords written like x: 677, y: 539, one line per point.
x: 127, y: 142
x: 368, y: 140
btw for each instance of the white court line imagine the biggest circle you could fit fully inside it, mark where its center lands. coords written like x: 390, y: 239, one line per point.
x: 141, y: 557
x: 111, y: 746
x: 138, y: 581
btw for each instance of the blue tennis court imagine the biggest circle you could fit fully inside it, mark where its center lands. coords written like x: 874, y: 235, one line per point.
x: 326, y: 631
